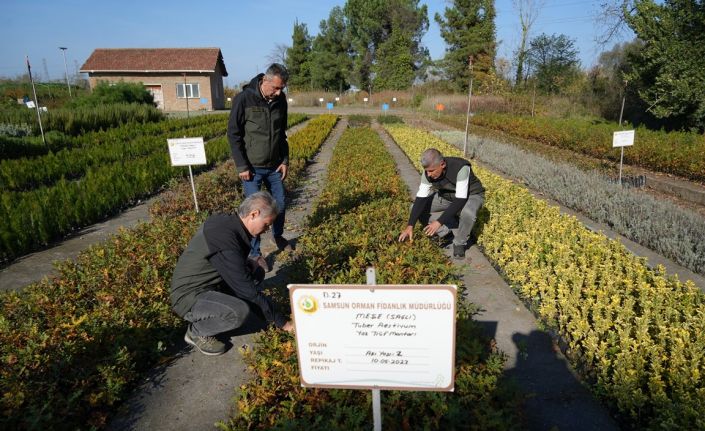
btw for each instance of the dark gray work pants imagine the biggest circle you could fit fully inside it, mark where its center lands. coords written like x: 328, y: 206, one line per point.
x: 216, y: 312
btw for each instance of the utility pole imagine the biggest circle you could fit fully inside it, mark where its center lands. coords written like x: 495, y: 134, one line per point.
x: 66, y: 69
x: 467, y: 115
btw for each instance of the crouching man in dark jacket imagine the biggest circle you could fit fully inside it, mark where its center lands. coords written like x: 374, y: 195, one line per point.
x: 215, y: 284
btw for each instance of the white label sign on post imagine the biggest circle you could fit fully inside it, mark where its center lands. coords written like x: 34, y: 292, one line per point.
x: 187, y: 151
x: 623, y: 139
x: 398, y: 337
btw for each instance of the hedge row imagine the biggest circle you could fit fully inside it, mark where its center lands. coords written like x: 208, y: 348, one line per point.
x: 678, y: 153
x: 72, y: 347
x: 75, y: 121
x: 354, y: 224
x: 33, y: 146
x: 36, y: 217
x: 71, y: 163
x: 635, y: 334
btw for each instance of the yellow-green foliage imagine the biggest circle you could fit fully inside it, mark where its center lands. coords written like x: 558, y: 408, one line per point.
x: 355, y: 223
x: 305, y: 145
x: 635, y: 333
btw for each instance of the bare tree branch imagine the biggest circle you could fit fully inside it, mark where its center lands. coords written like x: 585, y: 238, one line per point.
x: 278, y: 54
x: 528, y: 11
x: 613, y: 20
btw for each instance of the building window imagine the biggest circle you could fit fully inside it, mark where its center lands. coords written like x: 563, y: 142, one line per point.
x: 192, y: 91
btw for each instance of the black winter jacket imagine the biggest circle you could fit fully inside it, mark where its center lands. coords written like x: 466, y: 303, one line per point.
x: 257, y: 129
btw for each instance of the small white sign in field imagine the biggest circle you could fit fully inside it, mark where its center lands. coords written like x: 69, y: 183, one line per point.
x: 187, y: 151
x: 623, y: 139
x: 375, y: 337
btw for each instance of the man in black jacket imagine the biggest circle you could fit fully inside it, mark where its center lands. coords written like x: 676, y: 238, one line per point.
x: 451, y: 195
x: 215, y: 283
x: 257, y: 137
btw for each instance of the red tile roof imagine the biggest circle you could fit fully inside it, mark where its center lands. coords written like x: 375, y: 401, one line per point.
x: 154, y: 60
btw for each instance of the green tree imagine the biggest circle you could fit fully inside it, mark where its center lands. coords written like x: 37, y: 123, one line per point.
x: 109, y: 93
x: 298, y: 57
x: 608, y: 84
x: 469, y: 32
x: 330, y: 54
x: 394, y: 69
x: 554, y: 60
x: 671, y: 64
x: 371, y: 24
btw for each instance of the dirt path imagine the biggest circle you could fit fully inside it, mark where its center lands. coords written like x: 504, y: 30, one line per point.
x: 556, y: 397
x: 194, y: 391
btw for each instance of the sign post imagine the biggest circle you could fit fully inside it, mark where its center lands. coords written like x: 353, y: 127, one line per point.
x: 376, y: 393
x: 375, y: 337
x: 187, y: 152
x: 622, y: 139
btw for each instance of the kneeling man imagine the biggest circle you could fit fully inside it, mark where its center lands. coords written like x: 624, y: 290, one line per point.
x: 449, y: 195
x: 215, y: 284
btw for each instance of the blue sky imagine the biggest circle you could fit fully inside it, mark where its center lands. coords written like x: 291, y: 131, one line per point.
x: 247, y: 32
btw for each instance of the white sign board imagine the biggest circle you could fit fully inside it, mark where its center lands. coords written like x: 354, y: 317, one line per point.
x: 623, y: 139
x: 375, y: 337
x: 187, y: 151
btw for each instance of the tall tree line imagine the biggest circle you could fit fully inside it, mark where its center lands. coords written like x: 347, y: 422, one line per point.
x: 376, y: 45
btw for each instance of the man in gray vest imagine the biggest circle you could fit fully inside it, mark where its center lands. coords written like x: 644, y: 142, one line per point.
x: 215, y: 284
x: 449, y: 196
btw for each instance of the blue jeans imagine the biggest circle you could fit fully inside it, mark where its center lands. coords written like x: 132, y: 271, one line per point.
x: 273, y: 181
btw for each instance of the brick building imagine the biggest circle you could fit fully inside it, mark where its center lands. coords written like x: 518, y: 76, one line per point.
x: 179, y: 78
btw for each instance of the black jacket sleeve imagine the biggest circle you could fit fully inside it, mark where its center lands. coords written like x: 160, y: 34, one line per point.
x: 233, y: 268
x: 236, y: 132
x: 417, y: 208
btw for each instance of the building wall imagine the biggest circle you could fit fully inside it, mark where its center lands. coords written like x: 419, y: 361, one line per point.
x: 210, y: 88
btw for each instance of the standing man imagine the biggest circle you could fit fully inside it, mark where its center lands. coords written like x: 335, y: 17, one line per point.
x: 257, y: 137
x: 215, y: 283
x: 451, y: 194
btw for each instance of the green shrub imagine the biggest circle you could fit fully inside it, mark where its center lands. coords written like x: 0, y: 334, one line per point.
x: 389, y: 119
x: 114, y: 93
x: 359, y: 120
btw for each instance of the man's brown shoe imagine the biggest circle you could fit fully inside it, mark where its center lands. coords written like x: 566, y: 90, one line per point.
x: 282, y: 243
x: 259, y: 261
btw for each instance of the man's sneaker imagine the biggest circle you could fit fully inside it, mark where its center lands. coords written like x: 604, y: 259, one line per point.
x: 207, y: 345
x: 281, y: 243
x: 458, y: 251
